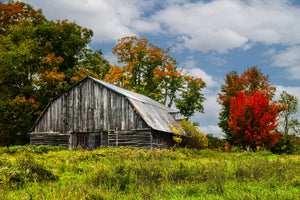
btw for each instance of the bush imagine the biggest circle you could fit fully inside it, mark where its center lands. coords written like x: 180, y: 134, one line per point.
x: 34, y: 171
x: 195, y: 138
x: 285, y: 144
x: 214, y: 142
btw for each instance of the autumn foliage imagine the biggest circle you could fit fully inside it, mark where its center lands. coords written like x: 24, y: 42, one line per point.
x: 253, y: 119
x: 249, y: 82
x: 38, y: 60
x: 151, y: 71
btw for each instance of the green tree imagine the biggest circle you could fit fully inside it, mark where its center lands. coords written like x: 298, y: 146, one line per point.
x: 191, y: 98
x: 250, y: 81
x: 149, y: 70
x: 288, y: 124
x: 38, y: 60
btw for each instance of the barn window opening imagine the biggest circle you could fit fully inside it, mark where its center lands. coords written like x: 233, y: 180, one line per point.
x: 159, y: 140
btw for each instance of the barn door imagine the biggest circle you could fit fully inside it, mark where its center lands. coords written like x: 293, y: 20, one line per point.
x: 82, y: 140
x: 104, y: 139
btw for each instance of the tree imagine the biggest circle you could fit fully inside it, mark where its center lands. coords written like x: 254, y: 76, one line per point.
x: 149, y: 70
x: 191, y: 98
x: 288, y: 123
x: 38, y: 60
x: 252, y: 120
x: 252, y: 80
x: 13, y: 13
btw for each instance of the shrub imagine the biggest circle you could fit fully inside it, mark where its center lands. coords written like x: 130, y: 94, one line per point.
x: 214, y: 142
x: 195, y: 138
x: 285, y: 144
x: 33, y: 170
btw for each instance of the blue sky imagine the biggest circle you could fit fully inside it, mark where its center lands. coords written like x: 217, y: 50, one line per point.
x: 209, y: 38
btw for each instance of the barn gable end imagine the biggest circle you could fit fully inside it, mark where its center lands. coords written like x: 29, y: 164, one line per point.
x: 93, y: 113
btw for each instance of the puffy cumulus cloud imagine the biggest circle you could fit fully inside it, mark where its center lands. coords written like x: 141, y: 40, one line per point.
x: 217, y: 25
x: 289, y: 58
x: 199, y: 73
x: 211, y: 108
x: 215, y: 130
x: 110, y: 20
x: 192, y: 70
x: 295, y: 91
x: 112, y: 59
x: 291, y: 90
x: 222, y: 25
x: 219, y: 40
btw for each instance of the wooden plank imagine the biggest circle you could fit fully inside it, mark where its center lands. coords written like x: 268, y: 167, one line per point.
x: 58, y: 114
x: 105, y: 108
x: 76, y: 109
x: 122, y: 113
x: 118, y: 112
x: 131, y: 117
x: 48, y: 121
x: 96, y: 107
x: 84, y: 103
x: 70, y: 108
x: 109, y: 110
x: 101, y: 110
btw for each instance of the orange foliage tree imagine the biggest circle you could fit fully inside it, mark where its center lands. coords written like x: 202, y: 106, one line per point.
x: 149, y: 70
x: 252, y: 80
x: 38, y: 60
x: 13, y: 13
x: 252, y: 120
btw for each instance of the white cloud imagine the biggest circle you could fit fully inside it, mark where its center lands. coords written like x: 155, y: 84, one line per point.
x: 295, y: 91
x: 217, y: 25
x: 215, y: 130
x: 208, y: 79
x: 222, y: 25
x: 192, y: 70
x: 112, y: 59
x: 291, y: 90
x: 110, y: 20
x: 289, y: 58
x: 211, y: 107
x: 219, y: 40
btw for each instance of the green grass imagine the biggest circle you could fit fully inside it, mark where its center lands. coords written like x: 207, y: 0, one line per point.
x: 130, y: 173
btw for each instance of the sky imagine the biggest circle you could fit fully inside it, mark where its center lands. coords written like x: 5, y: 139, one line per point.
x: 208, y: 38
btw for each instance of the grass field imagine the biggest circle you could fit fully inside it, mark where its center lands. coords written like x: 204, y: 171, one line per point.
x: 130, y: 173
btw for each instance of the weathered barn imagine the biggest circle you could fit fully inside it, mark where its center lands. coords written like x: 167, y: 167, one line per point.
x: 93, y: 113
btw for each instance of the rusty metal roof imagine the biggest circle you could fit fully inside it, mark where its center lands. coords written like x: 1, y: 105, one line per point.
x: 155, y: 114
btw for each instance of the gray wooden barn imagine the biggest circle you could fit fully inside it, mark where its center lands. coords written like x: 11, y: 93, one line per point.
x: 93, y: 113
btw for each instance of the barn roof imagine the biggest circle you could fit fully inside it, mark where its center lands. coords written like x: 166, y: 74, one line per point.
x: 155, y: 114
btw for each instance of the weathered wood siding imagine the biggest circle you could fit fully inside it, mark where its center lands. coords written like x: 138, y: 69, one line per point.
x: 135, y: 138
x: 52, y: 139
x: 89, y: 107
x: 162, y: 140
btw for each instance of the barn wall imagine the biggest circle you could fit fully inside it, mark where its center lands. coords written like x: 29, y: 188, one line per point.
x: 89, y: 107
x: 52, y: 139
x: 135, y: 138
x: 162, y: 140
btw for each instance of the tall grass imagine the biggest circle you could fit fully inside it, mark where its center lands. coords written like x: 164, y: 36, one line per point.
x: 131, y: 173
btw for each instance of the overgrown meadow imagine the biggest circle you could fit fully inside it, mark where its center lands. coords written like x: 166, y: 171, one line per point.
x: 131, y: 173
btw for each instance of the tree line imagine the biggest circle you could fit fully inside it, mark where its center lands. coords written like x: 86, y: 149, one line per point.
x: 40, y: 58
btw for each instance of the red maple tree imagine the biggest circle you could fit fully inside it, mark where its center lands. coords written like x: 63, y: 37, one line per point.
x: 253, y: 119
